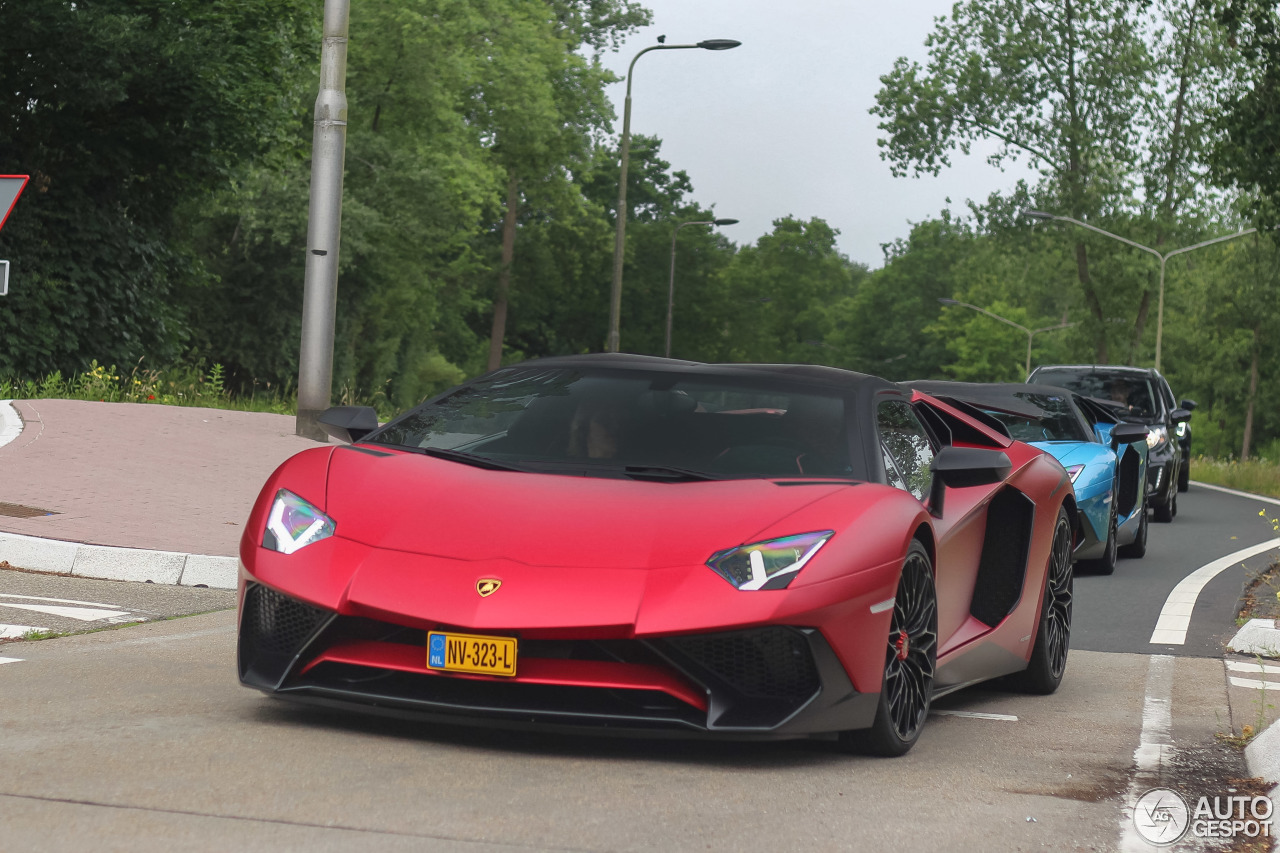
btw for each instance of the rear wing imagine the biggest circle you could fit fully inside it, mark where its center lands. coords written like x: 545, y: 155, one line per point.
x: 957, y: 422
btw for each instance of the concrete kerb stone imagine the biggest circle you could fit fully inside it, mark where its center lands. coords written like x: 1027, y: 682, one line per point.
x: 127, y: 564
x: 1258, y: 637
x: 1262, y: 756
x: 10, y: 422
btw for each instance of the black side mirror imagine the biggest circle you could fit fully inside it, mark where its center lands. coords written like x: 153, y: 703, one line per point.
x: 349, y: 423
x: 1127, y: 434
x: 958, y: 467
x: 1180, y: 416
x: 1188, y: 404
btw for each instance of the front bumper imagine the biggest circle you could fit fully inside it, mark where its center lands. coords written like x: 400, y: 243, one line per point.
x: 769, y: 681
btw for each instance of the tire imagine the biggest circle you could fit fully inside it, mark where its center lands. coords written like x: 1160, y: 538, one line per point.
x: 1138, y: 547
x: 1184, y: 476
x: 1106, y: 564
x: 1168, y: 508
x: 1053, y: 635
x: 911, y: 657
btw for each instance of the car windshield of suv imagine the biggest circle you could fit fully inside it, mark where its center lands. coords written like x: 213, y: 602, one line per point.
x: 641, y: 424
x: 1059, y: 422
x: 1131, y: 392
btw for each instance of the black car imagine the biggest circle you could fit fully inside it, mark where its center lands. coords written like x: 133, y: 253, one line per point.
x: 1139, y: 395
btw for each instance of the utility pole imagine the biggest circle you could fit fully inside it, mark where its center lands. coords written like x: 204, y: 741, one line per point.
x: 324, y: 225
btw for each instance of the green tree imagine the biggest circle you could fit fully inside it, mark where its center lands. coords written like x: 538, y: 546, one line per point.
x: 125, y: 114
x: 1244, y: 157
x: 1102, y: 96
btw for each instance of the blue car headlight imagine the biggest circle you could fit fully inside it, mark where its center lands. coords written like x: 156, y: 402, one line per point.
x: 1073, y: 471
x: 770, y: 564
x: 1157, y: 437
x: 293, y: 523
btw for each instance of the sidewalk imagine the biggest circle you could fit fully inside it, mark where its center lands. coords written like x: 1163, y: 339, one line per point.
x: 132, y: 491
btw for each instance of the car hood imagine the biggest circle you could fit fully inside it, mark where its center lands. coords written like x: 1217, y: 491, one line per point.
x: 422, y: 505
x: 1070, y: 453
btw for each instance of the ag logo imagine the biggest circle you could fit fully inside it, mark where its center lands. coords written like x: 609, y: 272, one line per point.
x: 487, y: 586
x: 1161, y: 816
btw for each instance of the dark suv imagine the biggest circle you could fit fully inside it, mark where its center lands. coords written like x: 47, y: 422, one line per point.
x: 1140, y: 395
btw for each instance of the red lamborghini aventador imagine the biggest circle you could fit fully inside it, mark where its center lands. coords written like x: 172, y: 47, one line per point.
x: 645, y: 545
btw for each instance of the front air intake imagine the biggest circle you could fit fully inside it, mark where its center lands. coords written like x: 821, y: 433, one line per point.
x: 274, y: 629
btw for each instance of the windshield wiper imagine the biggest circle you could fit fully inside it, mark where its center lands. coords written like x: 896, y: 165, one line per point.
x: 667, y: 474
x: 469, y: 459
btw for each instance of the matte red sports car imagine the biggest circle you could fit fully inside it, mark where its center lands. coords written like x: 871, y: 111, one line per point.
x: 646, y: 545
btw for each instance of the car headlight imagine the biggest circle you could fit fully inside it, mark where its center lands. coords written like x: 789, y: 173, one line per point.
x: 294, y: 523
x: 770, y: 564
x: 1073, y: 471
x: 1182, y: 429
x: 1157, y: 436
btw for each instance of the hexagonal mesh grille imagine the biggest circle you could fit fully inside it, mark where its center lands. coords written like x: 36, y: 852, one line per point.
x: 277, y: 623
x: 772, y: 662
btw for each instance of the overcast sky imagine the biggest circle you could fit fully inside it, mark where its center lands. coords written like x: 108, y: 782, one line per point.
x: 779, y: 126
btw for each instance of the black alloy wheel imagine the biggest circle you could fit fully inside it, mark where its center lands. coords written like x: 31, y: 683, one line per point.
x: 1053, y: 636
x: 911, y: 657
x: 1106, y: 564
x: 1166, y: 510
x: 1138, y: 547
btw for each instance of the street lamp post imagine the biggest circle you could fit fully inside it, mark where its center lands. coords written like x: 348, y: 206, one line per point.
x: 324, y: 226
x: 1163, y: 258
x: 1031, y: 333
x: 671, y: 287
x: 620, y: 234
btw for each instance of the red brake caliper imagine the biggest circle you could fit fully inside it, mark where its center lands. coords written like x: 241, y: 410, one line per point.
x: 902, y: 645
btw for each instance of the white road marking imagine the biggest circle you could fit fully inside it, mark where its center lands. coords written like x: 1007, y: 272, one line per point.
x: 13, y: 632
x: 1006, y: 718
x: 57, y: 600
x: 1154, y: 747
x: 10, y: 660
x: 1254, y: 683
x: 1227, y: 491
x: 84, y: 614
x: 1175, y: 616
x: 1239, y: 666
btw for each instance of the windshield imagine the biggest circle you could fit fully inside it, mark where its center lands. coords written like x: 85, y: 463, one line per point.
x: 1059, y: 422
x: 608, y: 423
x: 1130, y: 391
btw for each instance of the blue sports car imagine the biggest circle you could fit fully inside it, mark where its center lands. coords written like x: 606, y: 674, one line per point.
x: 1106, y: 459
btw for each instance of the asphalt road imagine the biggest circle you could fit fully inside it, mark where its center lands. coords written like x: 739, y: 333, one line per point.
x: 1117, y: 613
x: 141, y: 739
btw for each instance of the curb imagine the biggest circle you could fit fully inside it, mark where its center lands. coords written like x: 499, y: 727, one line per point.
x: 10, y: 422
x: 121, y: 564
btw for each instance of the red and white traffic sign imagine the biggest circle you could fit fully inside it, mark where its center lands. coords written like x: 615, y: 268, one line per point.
x: 10, y: 188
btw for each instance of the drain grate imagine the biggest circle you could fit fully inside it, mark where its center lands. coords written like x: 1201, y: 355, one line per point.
x: 20, y: 511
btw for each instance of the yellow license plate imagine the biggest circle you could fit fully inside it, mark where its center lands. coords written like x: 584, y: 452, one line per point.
x: 471, y: 653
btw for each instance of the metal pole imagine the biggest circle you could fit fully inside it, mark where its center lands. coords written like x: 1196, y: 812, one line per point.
x: 1160, y: 312
x: 671, y: 286
x: 671, y: 289
x: 324, y: 225
x: 1040, y: 214
x: 1167, y: 256
x: 614, y: 341
x: 1026, y: 371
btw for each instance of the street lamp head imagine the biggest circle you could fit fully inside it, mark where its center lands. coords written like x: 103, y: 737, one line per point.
x: 726, y: 222
x: 718, y: 44
x: 948, y: 301
x: 1037, y: 214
